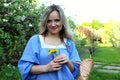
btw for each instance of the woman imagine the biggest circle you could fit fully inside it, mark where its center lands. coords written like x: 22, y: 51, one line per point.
x: 50, y: 55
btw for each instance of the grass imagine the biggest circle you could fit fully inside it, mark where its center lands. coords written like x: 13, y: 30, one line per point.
x: 106, y: 54
x: 95, y: 75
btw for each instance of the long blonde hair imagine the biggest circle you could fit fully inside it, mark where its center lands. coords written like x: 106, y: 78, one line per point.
x: 65, y: 32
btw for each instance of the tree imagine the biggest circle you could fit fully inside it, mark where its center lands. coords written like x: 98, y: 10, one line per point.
x: 71, y: 23
x: 19, y: 20
x: 96, y: 24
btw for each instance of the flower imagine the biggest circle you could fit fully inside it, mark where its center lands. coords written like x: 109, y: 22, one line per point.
x: 30, y: 25
x: 6, y: 5
x: 53, y: 51
x: 23, y: 17
x: 5, y: 20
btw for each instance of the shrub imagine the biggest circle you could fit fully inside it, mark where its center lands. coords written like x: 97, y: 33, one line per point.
x: 9, y: 72
x: 19, y: 20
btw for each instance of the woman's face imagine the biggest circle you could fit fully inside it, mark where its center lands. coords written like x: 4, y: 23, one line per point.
x: 54, y: 23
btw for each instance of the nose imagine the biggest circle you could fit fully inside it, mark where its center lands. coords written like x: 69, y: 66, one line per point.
x: 53, y: 23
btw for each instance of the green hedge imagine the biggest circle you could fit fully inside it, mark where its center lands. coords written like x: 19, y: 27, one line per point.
x: 19, y: 20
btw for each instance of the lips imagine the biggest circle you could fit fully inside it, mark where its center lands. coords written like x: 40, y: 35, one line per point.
x: 54, y: 28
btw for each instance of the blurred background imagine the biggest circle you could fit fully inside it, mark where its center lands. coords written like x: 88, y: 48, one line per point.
x: 95, y: 23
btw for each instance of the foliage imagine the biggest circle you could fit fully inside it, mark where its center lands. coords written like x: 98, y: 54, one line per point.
x: 96, y: 24
x: 9, y: 72
x: 71, y: 23
x: 111, y: 33
x: 106, y: 32
x: 86, y: 37
x: 80, y: 39
x: 115, y: 37
x: 19, y: 20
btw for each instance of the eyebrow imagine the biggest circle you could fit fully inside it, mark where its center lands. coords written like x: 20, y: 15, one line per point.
x: 54, y: 20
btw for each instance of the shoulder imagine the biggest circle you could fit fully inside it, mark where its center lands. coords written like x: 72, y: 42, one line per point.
x: 34, y: 38
x: 70, y: 45
x: 69, y: 42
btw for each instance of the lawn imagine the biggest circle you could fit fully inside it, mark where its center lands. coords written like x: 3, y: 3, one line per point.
x: 107, y: 55
x: 95, y: 75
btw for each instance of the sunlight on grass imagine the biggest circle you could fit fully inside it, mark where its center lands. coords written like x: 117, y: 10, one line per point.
x: 105, y: 53
x: 105, y: 45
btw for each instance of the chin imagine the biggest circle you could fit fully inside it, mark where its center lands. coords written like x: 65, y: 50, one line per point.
x: 54, y: 33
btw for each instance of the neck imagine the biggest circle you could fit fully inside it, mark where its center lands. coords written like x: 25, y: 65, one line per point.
x: 52, y: 39
x: 53, y: 35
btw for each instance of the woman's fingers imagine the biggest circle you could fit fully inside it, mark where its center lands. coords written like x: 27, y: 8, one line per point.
x: 61, y: 59
x: 53, y: 66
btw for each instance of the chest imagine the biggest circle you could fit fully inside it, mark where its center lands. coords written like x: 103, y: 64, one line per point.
x: 45, y: 57
x: 52, y: 41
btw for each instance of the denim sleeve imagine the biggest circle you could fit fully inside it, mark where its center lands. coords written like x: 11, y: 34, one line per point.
x: 76, y: 71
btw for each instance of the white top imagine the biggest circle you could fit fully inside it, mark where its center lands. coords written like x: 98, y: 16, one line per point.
x: 43, y: 45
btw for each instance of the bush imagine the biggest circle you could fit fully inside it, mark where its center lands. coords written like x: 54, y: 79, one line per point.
x: 9, y: 72
x: 19, y: 20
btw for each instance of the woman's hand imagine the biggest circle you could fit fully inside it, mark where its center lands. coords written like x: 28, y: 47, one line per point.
x: 61, y: 59
x: 57, y: 63
x: 53, y: 66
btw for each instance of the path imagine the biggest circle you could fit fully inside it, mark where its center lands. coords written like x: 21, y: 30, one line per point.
x: 102, y: 67
x: 111, y: 68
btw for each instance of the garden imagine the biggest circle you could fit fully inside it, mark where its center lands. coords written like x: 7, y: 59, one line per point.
x: 19, y: 20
